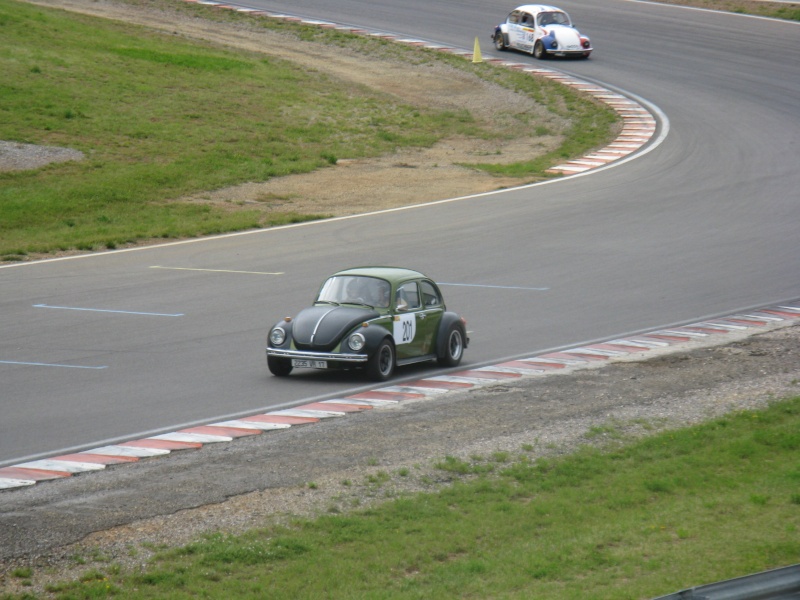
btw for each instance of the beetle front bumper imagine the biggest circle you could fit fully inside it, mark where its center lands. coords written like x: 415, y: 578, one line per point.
x: 305, y: 355
x: 568, y: 52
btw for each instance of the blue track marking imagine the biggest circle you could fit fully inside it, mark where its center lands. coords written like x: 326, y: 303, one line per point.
x: 38, y: 364
x: 497, y: 287
x: 103, y: 310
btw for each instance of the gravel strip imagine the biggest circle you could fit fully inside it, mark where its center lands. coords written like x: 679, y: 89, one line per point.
x: 20, y: 157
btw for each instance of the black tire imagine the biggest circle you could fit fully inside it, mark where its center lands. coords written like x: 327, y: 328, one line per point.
x: 538, y: 50
x: 280, y: 367
x: 381, y: 365
x: 454, y: 347
x: 500, y: 41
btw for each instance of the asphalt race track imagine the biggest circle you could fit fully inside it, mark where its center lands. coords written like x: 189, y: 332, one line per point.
x: 130, y: 343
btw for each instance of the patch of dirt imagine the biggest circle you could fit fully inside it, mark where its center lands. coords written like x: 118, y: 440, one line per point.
x: 409, y: 176
x: 20, y: 157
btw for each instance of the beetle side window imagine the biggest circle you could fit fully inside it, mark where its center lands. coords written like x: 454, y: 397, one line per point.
x: 430, y: 297
x: 527, y: 20
x: 408, y: 296
x: 514, y: 17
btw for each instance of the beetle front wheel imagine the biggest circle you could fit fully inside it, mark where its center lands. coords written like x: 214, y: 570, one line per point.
x: 538, y: 50
x: 499, y: 41
x: 280, y: 367
x: 381, y: 365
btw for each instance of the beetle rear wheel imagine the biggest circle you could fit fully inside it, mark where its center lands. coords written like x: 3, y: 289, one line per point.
x: 280, y: 367
x: 381, y: 366
x: 454, y: 347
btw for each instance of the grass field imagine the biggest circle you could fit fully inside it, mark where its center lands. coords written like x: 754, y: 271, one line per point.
x: 637, y: 520
x: 159, y: 117
x: 789, y: 11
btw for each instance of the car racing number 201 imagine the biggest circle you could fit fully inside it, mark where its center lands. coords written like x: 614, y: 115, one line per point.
x: 405, y: 328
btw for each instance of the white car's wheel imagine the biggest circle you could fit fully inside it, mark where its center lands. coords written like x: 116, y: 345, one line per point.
x: 500, y: 41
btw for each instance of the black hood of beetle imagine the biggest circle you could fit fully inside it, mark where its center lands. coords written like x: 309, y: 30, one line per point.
x: 320, y: 328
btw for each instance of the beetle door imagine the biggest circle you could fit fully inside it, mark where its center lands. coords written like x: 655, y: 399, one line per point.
x: 521, y: 30
x: 416, y: 323
x: 433, y: 309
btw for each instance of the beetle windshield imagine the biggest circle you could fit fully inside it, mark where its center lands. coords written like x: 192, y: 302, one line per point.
x: 553, y: 18
x: 356, y: 289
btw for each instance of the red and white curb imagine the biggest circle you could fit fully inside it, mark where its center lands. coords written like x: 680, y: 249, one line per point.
x: 705, y: 332
x: 639, y: 125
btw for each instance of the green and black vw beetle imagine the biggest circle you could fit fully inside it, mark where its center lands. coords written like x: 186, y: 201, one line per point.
x: 375, y: 318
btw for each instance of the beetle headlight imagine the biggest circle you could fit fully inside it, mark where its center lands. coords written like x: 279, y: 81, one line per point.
x: 277, y: 336
x: 356, y: 342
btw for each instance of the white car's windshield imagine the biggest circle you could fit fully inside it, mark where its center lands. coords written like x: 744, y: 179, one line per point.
x: 356, y: 289
x: 553, y: 18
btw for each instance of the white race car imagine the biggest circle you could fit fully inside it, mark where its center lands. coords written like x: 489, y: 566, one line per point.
x: 543, y: 31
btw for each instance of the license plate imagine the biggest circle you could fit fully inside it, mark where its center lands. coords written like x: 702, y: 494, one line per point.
x: 311, y: 364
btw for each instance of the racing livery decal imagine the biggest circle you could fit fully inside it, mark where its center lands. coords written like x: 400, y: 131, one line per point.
x: 405, y: 328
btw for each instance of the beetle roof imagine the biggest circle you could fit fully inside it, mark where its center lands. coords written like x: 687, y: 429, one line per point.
x: 537, y: 8
x: 389, y: 273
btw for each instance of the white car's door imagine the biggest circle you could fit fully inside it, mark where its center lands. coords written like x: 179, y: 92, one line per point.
x: 520, y: 26
x: 528, y: 32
